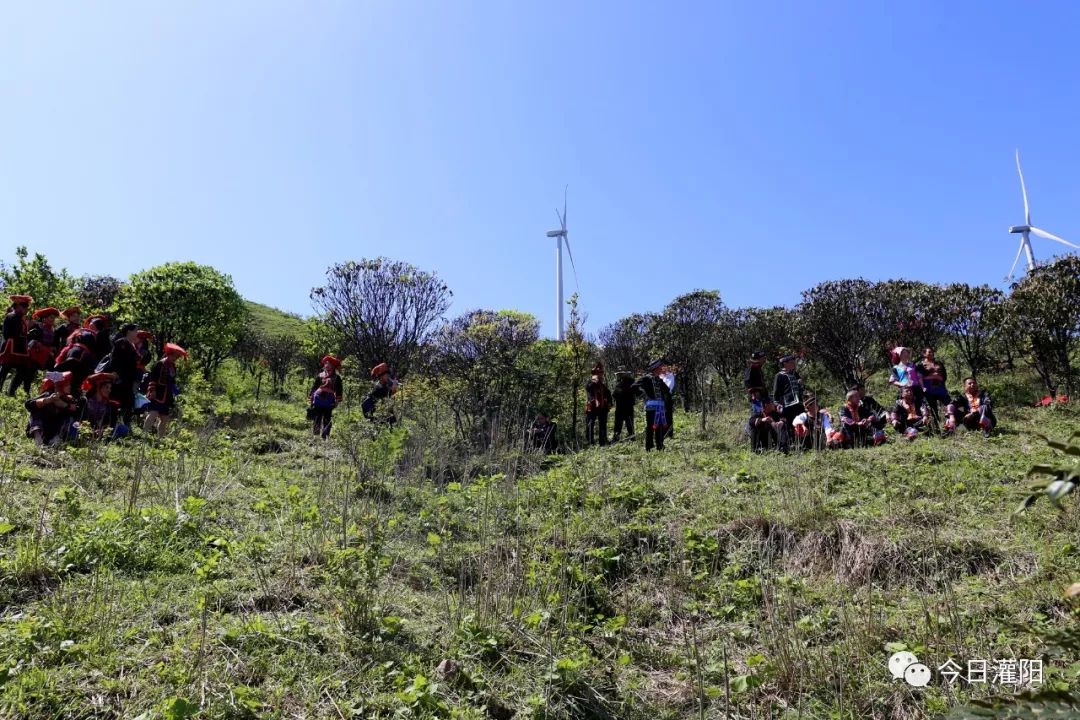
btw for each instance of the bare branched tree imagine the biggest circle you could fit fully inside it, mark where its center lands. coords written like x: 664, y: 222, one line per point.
x: 385, y: 309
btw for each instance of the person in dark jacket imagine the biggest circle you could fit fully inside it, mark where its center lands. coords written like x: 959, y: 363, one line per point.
x: 542, y: 434
x: 657, y: 398
x: 910, y: 415
x: 14, y: 358
x: 123, y: 363
x: 41, y: 338
x: 143, y: 351
x: 78, y: 357
x: 787, y: 394
x: 934, y: 381
x: 764, y: 426
x: 668, y: 376
x: 161, y: 391
x: 870, y: 408
x: 99, y: 325
x: 97, y: 411
x: 324, y: 396
x: 597, y: 406
x: 52, y: 412
x: 72, y: 324
x: 385, y: 387
x: 971, y: 409
x: 625, y: 400
x: 754, y: 378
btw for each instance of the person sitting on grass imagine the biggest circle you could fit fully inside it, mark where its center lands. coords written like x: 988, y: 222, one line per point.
x: 51, y: 412
x: 161, y: 390
x: 813, y: 426
x: 856, y: 428
x: 765, y: 425
x: 871, y: 408
x: 97, y: 414
x: 971, y: 409
x: 909, y: 415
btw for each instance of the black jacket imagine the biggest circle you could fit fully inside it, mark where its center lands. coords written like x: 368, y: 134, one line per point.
x: 754, y: 380
x: 653, y: 388
x: 624, y: 396
x: 787, y: 389
x: 124, y: 361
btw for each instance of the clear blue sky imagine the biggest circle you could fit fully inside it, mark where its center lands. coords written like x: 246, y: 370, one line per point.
x: 753, y: 148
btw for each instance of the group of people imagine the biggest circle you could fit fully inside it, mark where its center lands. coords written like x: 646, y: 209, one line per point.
x: 95, y: 380
x: 655, y: 386
x: 326, y: 394
x: 789, y: 415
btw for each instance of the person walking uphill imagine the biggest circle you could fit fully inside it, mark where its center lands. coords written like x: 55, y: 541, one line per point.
x: 597, y: 406
x: 325, y: 395
x: 625, y: 399
x: 161, y: 390
x: 657, y: 397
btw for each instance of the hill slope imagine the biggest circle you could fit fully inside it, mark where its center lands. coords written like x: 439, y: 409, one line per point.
x: 271, y: 321
x: 240, y: 569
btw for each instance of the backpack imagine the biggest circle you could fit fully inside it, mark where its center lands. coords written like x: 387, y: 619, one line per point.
x: 105, y: 364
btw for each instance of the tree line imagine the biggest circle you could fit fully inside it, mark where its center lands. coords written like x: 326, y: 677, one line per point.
x: 488, y: 370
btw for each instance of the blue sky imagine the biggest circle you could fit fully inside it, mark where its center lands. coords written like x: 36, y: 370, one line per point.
x: 753, y: 148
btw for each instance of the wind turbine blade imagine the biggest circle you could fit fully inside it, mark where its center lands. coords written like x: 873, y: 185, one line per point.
x: 1023, y: 189
x: 1050, y: 236
x: 1019, y: 250
x: 573, y: 267
x: 565, y: 189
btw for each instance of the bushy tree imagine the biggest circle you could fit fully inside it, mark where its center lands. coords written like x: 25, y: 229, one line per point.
x: 34, y: 276
x: 972, y: 319
x: 838, y: 330
x: 97, y: 293
x: 906, y: 313
x: 192, y: 305
x: 686, y: 333
x: 385, y: 310
x: 319, y: 339
x: 1045, y: 308
x: 626, y: 343
x: 478, y: 356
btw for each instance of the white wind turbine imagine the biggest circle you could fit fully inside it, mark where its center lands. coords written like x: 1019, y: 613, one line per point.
x: 560, y: 235
x: 1027, y: 228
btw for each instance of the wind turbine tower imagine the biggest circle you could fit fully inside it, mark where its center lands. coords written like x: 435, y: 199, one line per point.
x: 561, y: 236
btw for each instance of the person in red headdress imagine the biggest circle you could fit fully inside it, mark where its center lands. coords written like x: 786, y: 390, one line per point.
x: 385, y: 386
x: 41, y: 339
x: 97, y: 410
x: 72, y: 323
x: 51, y: 412
x: 14, y: 359
x: 324, y: 396
x: 597, y: 406
x: 162, y: 390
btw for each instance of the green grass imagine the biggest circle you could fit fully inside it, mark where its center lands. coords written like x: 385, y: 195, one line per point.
x: 271, y: 321
x: 241, y: 570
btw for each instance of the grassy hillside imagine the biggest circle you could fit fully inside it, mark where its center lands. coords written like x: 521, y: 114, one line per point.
x: 241, y: 570
x: 271, y: 321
